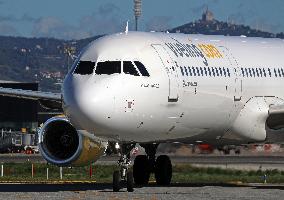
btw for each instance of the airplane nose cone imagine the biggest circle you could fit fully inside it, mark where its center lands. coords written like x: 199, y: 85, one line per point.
x: 88, y: 102
x: 71, y: 89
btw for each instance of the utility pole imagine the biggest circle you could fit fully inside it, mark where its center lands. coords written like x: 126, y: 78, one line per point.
x: 69, y: 52
x: 137, y: 11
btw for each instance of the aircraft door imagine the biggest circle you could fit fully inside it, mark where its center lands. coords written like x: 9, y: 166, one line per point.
x: 236, y: 73
x: 171, y: 70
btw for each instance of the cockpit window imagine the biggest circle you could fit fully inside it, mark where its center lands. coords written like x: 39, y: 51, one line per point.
x: 128, y: 68
x: 85, y: 67
x: 142, y: 68
x: 108, y: 67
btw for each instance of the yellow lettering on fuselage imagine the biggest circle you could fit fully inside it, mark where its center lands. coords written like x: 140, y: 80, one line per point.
x: 210, y: 51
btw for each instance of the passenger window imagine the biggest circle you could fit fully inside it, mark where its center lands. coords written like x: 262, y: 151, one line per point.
x: 108, y: 67
x: 216, y: 70
x: 269, y: 72
x: 260, y: 72
x: 181, y: 69
x: 185, y: 70
x: 257, y: 72
x: 264, y: 72
x: 224, y: 71
x: 193, y: 69
x: 247, y: 74
x: 213, y: 71
x: 197, y: 71
x: 85, y: 68
x: 220, y: 71
x: 282, y: 72
x: 205, y: 71
x: 279, y: 72
x: 228, y: 72
x: 142, y: 68
x: 201, y: 70
x: 275, y: 72
x: 250, y: 74
x: 189, y: 71
x: 209, y: 71
x: 253, y: 72
x: 128, y: 68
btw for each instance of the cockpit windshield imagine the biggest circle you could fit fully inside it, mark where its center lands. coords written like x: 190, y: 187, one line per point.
x: 85, y: 67
x: 128, y: 68
x: 141, y: 68
x: 135, y: 68
x: 108, y: 67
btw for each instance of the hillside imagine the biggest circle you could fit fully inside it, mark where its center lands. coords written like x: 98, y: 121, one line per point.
x: 36, y: 59
x: 208, y: 25
x: 44, y: 59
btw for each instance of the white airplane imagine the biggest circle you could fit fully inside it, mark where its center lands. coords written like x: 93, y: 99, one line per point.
x: 151, y: 88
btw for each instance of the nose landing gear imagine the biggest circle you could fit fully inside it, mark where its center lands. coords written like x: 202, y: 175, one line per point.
x: 124, y: 174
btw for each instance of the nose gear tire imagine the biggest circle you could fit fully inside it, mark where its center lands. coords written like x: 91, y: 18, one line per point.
x: 116, y: 181
x: 129, y: 181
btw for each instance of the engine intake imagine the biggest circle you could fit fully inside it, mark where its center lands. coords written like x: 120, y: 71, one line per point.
x: 61, y: 144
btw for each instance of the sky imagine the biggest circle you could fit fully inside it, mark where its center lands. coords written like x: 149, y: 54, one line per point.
x: 77, y: 19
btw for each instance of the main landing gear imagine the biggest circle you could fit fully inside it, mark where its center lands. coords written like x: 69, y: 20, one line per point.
x: 143, y: 166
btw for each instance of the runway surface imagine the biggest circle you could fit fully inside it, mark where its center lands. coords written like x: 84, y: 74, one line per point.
x: 153, y: 192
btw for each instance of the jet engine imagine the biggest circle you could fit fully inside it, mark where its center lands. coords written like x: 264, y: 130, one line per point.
x: 61, y: 144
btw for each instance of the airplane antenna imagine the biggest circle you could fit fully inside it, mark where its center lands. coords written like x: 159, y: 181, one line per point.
x: 137, y: 11
x: 126, y: 28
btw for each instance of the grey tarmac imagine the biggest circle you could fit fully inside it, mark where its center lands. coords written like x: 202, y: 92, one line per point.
x: 152, y: 192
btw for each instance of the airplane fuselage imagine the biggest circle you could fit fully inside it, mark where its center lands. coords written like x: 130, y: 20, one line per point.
x: 196, y: 89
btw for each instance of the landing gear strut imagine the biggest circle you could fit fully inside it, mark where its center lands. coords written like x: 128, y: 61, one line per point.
x: 124, y: 174
x: 146, y: 164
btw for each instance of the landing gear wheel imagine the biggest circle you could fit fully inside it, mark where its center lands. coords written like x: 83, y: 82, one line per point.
x: 116, y: 181
x: 226, y: 151
x: 129, y: 181
x: 141, y: 171
x: 163, y: 170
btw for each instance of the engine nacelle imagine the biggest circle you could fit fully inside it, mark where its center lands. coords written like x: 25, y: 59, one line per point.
x: 61, y: 144
x: 251, y: 122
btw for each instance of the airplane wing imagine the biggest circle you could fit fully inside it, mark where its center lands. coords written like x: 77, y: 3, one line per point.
x: 29, y: 94
x: 276, y: 117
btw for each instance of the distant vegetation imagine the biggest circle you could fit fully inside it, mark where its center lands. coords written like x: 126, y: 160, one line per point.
x: 222, y: 28
x: 44, y: 60
x: 40, y: 60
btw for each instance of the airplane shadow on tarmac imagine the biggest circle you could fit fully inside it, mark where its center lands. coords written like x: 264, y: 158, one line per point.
x: 107, y: 187
x: 52, y: 187
x: 257, y: 186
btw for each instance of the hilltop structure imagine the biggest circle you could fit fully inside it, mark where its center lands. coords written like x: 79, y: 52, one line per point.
x: 207, y: 16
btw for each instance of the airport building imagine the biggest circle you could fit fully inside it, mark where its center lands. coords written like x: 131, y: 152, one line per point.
x: 18, y: 114
x: 20, y: 118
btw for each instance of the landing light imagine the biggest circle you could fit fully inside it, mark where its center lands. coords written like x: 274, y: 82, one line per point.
x: 117, y: 146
